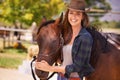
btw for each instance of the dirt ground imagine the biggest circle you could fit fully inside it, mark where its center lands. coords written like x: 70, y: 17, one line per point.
x: 12, y: 74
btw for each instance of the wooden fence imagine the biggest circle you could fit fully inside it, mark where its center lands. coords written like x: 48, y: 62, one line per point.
x: 7, y: 35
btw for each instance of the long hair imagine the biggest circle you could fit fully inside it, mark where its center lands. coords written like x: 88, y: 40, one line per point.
x: 67, y: 28
x: 85, y: 20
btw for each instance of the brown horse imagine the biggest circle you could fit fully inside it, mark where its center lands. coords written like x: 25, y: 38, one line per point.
x: 50, y: 42
x: 105, y: 56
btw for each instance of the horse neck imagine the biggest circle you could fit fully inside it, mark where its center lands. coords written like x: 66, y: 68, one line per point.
x: 95, y: 53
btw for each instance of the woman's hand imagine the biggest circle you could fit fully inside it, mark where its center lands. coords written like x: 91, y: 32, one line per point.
x: 43, y: 65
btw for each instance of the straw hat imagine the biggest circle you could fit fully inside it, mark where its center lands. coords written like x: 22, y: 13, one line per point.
x: 79, y: 5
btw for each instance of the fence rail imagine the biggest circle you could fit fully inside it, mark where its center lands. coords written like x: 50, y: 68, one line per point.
x: 7, y: 34
x: 13, y: 30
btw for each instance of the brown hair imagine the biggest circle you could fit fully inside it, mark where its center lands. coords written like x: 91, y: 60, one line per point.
x: 67, y: 29
x: 85, y: 20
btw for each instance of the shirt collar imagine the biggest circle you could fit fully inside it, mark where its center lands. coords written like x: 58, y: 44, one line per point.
x: 82, y: 31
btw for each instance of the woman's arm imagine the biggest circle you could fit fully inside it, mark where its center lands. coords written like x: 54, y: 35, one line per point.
x: 44, y: 66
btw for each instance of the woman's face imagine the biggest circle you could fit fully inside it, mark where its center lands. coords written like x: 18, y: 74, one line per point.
x: 74, y: 17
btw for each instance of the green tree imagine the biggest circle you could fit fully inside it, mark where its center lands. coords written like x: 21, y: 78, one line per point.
x: 27, y: 11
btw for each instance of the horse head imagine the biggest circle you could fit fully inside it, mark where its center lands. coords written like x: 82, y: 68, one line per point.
x: 49, y: 40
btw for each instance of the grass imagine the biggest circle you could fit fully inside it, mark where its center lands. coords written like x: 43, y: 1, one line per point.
x: 7, y: 62
x: 11, y: 57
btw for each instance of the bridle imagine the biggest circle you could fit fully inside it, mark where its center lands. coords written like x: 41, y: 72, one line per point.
x: 47, y: 55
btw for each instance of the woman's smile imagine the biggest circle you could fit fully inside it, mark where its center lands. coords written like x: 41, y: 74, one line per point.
x: 75, y: 17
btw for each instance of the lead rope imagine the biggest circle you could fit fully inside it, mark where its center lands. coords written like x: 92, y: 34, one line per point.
x: 53, y: 72
x: 34, y: 58
x: 62, y: 43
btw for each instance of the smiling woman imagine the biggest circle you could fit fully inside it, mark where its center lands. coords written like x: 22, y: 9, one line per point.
x: 72, y: 32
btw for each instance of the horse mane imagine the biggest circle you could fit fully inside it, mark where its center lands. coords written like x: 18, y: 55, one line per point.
x: 97, y: 36
x: 100, y: 44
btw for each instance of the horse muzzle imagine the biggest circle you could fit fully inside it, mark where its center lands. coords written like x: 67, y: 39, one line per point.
x: 41, y: 74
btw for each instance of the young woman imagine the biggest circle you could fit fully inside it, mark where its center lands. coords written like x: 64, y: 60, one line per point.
x: 76, y: 53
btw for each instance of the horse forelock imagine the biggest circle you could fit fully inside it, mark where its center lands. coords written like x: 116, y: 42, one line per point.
x: 45, y: 24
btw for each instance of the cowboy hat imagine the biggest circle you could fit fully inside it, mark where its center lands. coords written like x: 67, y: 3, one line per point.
x: 79, y: 5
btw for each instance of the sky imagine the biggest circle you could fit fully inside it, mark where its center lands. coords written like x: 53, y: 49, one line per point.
x: 115, y: 4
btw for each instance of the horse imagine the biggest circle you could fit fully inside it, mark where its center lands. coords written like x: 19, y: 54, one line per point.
x: 50, y: 42
x: 105, y: 57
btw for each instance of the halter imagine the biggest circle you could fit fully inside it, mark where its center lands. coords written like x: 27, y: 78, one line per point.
x: 34, y: 57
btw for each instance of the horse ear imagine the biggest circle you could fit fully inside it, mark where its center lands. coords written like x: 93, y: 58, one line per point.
x: 60, y: 19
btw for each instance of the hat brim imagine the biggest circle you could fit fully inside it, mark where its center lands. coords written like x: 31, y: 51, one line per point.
x: 86, y: 9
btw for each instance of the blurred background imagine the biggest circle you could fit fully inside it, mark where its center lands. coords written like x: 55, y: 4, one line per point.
x: 20, y: 19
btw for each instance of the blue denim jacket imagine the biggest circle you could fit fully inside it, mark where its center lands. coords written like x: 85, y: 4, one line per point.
x: 81, y: 52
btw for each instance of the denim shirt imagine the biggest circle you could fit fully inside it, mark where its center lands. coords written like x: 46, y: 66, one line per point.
x: 81, y: 52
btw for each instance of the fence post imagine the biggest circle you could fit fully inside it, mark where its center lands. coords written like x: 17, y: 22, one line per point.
x: 3, y: 42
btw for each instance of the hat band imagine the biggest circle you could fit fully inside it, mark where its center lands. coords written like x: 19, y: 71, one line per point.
x: 77, y: 8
